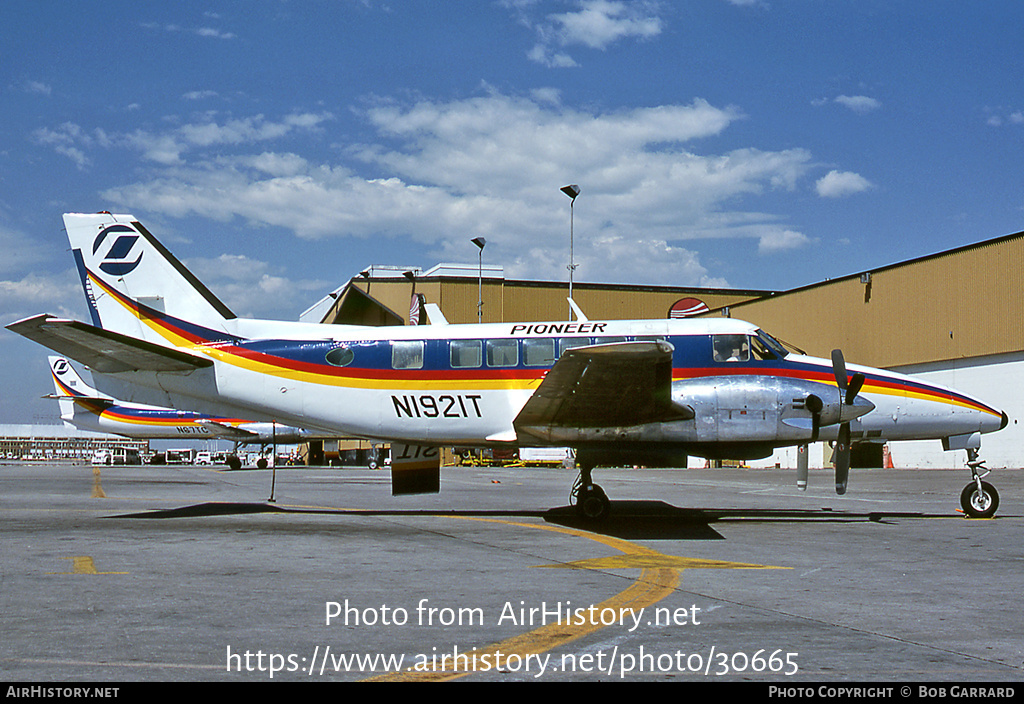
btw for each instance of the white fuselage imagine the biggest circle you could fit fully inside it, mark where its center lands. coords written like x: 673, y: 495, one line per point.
x: 465, y: 384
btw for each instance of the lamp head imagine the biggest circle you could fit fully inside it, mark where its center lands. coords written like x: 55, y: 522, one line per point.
x: 571, y: 191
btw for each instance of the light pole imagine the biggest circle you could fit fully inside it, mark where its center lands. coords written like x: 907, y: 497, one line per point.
x: 480, y: 242
x: 571, y: 191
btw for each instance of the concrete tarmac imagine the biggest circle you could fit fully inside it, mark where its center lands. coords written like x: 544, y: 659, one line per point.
x: 124, y: 574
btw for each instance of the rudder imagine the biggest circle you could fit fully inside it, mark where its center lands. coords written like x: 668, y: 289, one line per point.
x: 132, y: 282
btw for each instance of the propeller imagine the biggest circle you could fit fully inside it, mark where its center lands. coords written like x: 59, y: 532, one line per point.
x: 842, y: 410
x: 849, y: 387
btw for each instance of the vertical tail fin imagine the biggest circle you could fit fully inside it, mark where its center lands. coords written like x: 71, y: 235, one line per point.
x: 133, y: 284
x: 68, y: 386
x: 67, y: 382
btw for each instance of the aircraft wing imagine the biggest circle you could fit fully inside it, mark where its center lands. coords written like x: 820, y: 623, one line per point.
x: 602, y: 386
x: 102, y: 350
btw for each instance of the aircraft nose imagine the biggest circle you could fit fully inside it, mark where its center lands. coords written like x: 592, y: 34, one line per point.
x: 988, y: 423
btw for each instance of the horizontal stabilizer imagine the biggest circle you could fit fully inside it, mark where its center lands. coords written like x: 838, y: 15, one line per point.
x: 105, y: 351
x: 228, y: 432
x: 617, y: 384
x: 88, y: 401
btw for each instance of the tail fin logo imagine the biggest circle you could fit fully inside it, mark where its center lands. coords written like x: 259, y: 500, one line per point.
x: 61, y: 367
x: 115, y: 261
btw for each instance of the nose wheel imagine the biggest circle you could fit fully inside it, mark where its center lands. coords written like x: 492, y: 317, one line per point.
x: 978, y: 499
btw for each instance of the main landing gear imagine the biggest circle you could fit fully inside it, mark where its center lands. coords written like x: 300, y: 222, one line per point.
x: 978, y: 499
x: 589, y: 499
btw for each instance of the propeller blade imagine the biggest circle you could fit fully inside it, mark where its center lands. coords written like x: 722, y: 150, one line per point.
x: 839, y: 369
x: 842, y: 459
x: 801, y: 467
x: 856, y: 383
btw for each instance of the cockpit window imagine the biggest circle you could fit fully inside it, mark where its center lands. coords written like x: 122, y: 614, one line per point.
x: 772, y: 344
x: 743, y: 348
x: 731, y: 348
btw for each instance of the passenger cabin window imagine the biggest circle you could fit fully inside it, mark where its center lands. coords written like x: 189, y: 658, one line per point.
x: 731, y: 348
x: 502, y: 353
x: 407, y: 355
x: 465, y: 353
x: 539, y: 352
x: 569, y: 342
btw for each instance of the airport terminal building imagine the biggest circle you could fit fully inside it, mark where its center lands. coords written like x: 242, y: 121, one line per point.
x: 56, y: 443
x: 953, y: 318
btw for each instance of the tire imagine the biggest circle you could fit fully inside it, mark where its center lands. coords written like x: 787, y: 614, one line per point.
x: 593, y: 505
x: 981, y: 504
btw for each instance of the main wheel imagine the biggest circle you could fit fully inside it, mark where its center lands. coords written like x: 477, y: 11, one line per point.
x: 979, y: 504
x: 593, y: 504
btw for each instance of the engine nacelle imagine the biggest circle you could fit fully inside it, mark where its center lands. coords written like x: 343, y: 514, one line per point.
x: 739, y: 417
x: 737, y: 409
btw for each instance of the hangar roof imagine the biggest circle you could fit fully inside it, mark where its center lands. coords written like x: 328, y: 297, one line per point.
x: 457, y: 292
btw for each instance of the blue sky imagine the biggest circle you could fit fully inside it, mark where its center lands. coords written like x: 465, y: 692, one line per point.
x: 279, y: 148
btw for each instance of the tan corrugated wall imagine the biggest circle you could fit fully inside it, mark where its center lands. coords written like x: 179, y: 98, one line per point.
x: 966, y: 303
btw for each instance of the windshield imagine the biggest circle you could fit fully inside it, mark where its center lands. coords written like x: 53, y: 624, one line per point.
x: 771, y: 343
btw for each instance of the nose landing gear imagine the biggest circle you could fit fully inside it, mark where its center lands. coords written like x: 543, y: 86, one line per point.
x: 978, y: 499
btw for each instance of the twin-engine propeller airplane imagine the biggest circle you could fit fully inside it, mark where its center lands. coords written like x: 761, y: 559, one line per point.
x: 85, y: 408
x: 645, y: 392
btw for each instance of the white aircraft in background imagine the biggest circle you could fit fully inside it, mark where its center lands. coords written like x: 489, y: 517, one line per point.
x: 85, y: 408
x: 645, y: 392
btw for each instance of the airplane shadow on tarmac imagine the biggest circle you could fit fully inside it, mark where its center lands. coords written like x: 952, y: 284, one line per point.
x: 630, y: 520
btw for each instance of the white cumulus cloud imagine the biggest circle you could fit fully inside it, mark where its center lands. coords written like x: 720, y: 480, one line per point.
x: 859, y: 103
x: 836, y: 184
x: 594, y: 24
x: 492, y: 166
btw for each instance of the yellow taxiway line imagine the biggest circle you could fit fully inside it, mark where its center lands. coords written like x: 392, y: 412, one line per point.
x: 659, y: 576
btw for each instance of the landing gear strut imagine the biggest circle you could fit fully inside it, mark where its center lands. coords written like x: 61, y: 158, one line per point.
x: 589, y: 499
x: 978, y: 499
